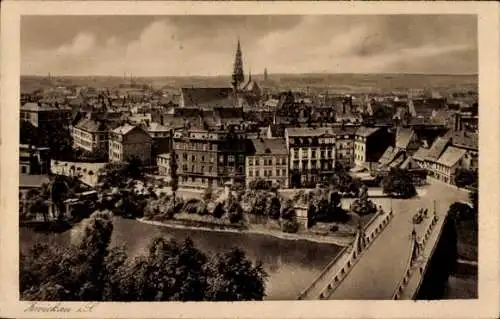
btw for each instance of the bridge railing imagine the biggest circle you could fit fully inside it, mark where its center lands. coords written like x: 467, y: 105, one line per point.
x: 356, y: 251
x: 350, y: 256
x: 409, y: 269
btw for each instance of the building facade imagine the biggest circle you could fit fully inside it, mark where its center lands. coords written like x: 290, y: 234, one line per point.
x: 163, y: 163
x: 33, y: 160
x: 127, y: 142
x: 344, y: 146
x: 91, y: 135
x: 369, y: 145
x: 43, y: 115
x: 210, y: 158
x: 312, y: 153
x: 267, y: 160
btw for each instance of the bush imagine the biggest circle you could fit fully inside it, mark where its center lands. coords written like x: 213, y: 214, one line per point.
x: 290, y: 226
x: 334, y: 228
x: 259, y: 184
x: 399, y: 182
x: 208, y: 194
x: 235, y: 213
x: 219, y: 211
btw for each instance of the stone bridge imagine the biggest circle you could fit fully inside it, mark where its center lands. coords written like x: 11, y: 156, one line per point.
x: 390, y: 256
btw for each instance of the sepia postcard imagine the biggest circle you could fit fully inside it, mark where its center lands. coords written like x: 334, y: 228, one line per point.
x: 249, y: 159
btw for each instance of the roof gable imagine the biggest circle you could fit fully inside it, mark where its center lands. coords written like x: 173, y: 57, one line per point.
x: 451, y: 156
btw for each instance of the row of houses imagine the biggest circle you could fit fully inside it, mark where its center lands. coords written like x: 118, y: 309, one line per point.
x: 441, y: 160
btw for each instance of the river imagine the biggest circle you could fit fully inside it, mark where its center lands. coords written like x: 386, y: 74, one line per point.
x: 291, y: 264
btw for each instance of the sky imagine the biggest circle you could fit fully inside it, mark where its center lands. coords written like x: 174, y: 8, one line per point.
x: 205, y: 45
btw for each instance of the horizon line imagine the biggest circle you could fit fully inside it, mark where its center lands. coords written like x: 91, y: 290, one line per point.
x: 253, y: 74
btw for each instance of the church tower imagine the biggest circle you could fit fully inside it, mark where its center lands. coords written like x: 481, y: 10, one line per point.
x: 238, y: 76
x: 265, y: 75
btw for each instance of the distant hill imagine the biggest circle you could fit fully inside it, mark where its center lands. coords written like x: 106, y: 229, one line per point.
x: 346, y: 83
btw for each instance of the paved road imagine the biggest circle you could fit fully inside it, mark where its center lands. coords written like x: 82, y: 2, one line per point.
x: 382, y: 266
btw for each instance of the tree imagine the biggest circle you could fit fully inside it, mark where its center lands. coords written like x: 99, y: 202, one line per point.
x: 274, y: 207
x: 232, y: 277
x: 259, y: 184
x: 399, y: 182
x: 89, y: 270
x: 219, y: 210
x: 290, y: 226
x: 465, y: 177
x: 235, y: 212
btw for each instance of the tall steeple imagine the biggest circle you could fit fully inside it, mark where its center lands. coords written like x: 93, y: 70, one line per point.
x: 265, y: 74
x: 238, y: 76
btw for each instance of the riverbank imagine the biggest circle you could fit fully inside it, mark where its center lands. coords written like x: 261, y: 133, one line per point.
x: 254, y: 229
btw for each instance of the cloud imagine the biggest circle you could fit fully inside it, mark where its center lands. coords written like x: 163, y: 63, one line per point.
x: 346, y: 44
x: 83, y: 43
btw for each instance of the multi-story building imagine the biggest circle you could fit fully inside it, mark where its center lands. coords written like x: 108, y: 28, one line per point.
x: 43, y: 115
x: 33, y: 160
x: 344, y: 146
x: 311, y: 154
x: 163, y: 162
x: 267, y: 159
x: 209, y: 157
x: 468, y: 141
x: 160, y: 137
x: 127, y: 142
x: 91, y: 134
x: 370, y: 144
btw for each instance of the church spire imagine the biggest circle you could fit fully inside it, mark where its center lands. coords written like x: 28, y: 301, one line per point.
x: 238, y: 76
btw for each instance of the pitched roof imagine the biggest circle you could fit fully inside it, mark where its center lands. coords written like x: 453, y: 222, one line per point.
x: 388, y: 156
x: 157, y: 127
x: 465, y: 140
x: 346, y: 130
x: 262, y: 146
x: 421, y: 153
x: 403, y: 137
x: 451, y: 156
x: 366, y: 131
x: 406, y: 164
x: 437, y: 148
x: 43, y: 107
x: 92, y: 125
x: 308, y: 131
x: 397, y: 161
x: 208, y: 97
x: 124, y: 129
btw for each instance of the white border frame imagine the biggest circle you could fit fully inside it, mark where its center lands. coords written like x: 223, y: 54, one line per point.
x: 485, y: 307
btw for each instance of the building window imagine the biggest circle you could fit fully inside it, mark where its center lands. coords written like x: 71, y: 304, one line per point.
x: 250, y: 173
x: 313, y: 153
x: 257, y: 173
x: 221, y: 159
x: 283, y: 172
x: 250, y: 162
x: 230, y: 158
x: 203, y: 158
x: 193, y: 158
x: 257, y: 162
x: 277, y: 172
x: 296, y: 153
